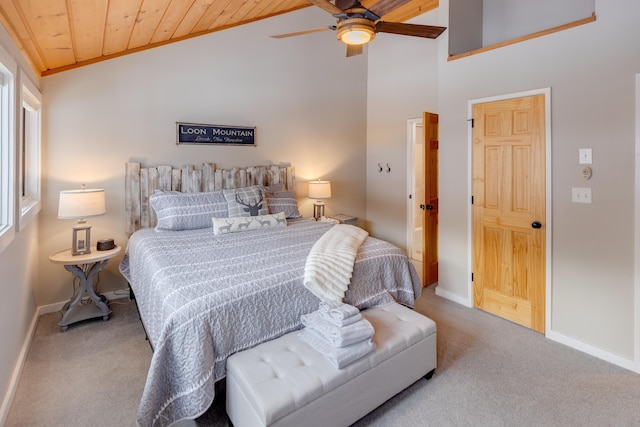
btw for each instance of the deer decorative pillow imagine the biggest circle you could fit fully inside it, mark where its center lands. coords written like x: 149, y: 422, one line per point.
x: 245, y: 223
x: 246, y: 201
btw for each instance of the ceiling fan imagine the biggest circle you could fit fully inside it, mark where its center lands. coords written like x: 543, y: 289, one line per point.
x: 357, y: 25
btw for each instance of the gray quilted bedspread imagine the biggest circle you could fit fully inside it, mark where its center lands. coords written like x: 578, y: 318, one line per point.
x: 203, y: 297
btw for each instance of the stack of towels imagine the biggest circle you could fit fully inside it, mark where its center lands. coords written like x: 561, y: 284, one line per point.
x: 339, y: 332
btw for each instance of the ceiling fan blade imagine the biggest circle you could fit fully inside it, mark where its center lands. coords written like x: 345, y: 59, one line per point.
x: 327, y: 6
x: 426, y: 31
x: 346, y: 4
x: 382, y: 7
x: 353, y: 50
x: 300, y: 33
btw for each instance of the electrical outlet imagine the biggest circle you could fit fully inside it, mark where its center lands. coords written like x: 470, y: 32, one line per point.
x: 586, y: 156
x: 580, y: 195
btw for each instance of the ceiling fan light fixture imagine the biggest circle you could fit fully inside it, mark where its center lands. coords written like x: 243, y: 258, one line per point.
x: 356, y: 31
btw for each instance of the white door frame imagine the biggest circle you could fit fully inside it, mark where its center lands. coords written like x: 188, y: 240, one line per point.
x: 637, y: 234
x: 412, y: 124
x: 547, y: 99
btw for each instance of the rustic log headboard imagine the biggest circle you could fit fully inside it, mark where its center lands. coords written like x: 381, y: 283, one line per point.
x: 141, y: 182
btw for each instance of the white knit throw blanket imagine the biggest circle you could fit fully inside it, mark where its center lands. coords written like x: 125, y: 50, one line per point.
x: 329, y: 266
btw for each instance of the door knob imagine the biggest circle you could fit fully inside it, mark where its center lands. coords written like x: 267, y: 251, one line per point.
x: 536, y: 224
x: 429, y: 207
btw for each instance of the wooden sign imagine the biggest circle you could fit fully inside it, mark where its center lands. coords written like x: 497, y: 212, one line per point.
x: 194, y: 133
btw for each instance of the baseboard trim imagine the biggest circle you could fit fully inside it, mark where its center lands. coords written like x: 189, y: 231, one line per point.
x: 17, y: 371
x: 453, y: 297
x: 631, y: 365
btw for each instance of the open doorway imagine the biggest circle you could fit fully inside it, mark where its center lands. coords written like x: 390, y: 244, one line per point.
x: 415, y: 177
x: 422, y: 204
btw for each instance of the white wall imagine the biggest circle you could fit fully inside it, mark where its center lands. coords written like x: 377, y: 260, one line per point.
x: 403, y: 82
x: 465, y: 26
x: 305, y: 97
x: 509, y: 19
x: 590, y: 70
x: 19, y: 270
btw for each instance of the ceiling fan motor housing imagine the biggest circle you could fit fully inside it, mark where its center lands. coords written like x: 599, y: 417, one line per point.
x: 356, y: 31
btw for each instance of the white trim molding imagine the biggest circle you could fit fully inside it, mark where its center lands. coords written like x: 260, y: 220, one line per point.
x: 453, y: 297
x: 7, y: 149
x: 594, y: 351
x: 636, y: 334
x: 412, y: 125
x: 29, y: 154
x: 17, y: 370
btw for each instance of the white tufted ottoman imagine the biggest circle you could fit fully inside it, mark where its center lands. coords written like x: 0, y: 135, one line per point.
x: 284, y: 382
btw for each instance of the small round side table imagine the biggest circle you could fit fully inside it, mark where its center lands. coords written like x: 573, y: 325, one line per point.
x: 85, y: 268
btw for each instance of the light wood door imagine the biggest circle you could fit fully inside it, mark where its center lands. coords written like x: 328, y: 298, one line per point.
x: 430, y: 207
x: 509, y: 209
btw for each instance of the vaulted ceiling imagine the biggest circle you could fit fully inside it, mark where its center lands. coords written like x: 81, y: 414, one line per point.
x: 58, y: 35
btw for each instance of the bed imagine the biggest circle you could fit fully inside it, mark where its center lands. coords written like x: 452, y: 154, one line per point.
x: 204, y: 294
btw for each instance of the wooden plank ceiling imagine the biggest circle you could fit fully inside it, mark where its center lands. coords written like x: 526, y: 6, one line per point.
x: 59, y: 35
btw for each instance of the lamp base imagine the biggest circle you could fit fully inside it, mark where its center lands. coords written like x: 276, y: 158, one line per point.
x: 318, y: 210
x: 81, y: 243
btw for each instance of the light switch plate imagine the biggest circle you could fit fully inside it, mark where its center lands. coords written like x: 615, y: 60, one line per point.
x: 586, y: 156
x: 580, y: 195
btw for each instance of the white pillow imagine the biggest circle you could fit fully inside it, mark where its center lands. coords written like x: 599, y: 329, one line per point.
x: 245, y: 223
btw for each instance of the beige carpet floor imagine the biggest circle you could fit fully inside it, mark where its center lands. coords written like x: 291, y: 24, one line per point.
x: 490, y: 373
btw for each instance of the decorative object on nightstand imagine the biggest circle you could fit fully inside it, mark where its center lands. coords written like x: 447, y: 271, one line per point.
x: 319, y: 190
x: 85, y: 267
x: 105, y: 245
x: 81, y: 204
x: 346, y: 219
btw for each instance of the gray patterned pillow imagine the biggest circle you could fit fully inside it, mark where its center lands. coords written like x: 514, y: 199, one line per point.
x: 287, y: 205
x: 246, y: 201
x: 187, y: 211
x: 279, y: 200
x: 272, y: 189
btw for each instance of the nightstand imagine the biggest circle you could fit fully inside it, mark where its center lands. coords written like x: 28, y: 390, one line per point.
x: 346, y: 219
x: 85, y: 268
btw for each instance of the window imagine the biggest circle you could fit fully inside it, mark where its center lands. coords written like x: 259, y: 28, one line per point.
x: 7, y: 206
x: 30, y: 138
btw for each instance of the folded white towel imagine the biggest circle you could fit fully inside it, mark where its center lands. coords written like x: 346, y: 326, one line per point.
x: 340, y: 314
x: 342, y: 356
x: 338, y: 336
x: 339, y: 323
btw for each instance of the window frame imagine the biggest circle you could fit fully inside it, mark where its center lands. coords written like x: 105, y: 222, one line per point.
x: 7, y: 149
x: 29, y: 142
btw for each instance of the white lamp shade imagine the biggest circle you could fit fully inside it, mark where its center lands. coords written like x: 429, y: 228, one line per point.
x: 76, y: 204
x: 356, y: 37
x: 319, y: 189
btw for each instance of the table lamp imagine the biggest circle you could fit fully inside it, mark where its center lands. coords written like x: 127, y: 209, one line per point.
x: 81, y: 204
x: 319, y: 190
